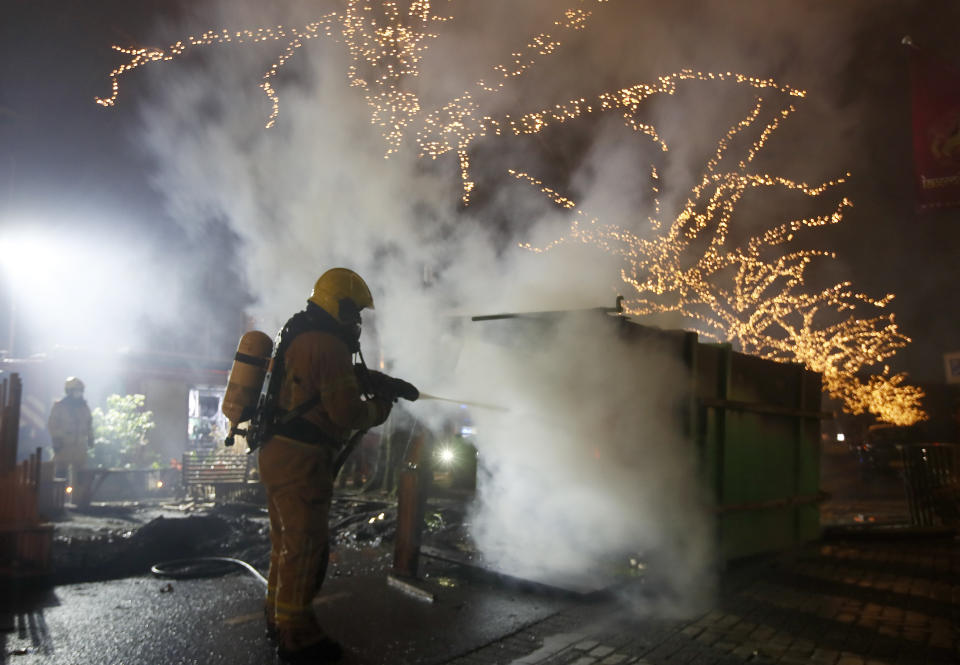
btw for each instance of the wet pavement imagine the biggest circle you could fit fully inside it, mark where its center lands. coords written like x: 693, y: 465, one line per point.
x: 859, y: 602
x: 839, y: 602
x: 873, y: 591
x: 147, y: 620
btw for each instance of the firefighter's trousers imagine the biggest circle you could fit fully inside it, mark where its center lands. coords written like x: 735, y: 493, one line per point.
x: 298, y: 479
x: 68, y: 461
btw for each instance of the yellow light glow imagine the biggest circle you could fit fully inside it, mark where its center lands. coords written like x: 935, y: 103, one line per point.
x: 750, y: 295
x: 69, y: 489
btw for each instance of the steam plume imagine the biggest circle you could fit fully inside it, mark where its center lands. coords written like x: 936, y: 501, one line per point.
x: 315, y: 191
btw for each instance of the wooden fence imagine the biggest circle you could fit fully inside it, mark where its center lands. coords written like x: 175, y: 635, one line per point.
x: 24, y: 542
x: 221, y: 476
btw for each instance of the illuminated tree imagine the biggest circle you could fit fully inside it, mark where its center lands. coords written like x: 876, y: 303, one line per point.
x: 120, y: 434
x: 753, y: 296
x: 748, y: 295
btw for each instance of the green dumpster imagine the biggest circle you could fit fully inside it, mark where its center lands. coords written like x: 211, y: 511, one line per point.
x: 755, y: 424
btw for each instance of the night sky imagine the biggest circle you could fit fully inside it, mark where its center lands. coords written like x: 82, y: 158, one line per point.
x: 82, y: 172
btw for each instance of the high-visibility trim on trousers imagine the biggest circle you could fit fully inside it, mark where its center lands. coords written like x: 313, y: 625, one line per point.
x: 298, y: 480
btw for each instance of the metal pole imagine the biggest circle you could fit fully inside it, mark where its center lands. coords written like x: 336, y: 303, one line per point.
x: 413, y: 484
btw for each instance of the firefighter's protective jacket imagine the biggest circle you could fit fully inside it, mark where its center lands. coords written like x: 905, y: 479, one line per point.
x: 70, y: 424
x: 318, y: 362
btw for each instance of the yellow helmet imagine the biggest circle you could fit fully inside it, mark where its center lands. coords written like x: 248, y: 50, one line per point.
x: 73, y: 383
x: 336, y: 285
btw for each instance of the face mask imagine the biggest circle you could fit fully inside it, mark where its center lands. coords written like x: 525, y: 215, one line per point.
x: 350, y: 318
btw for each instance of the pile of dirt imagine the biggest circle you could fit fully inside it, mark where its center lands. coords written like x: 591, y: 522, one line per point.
x: 110, y: 542
x: 114, y: 541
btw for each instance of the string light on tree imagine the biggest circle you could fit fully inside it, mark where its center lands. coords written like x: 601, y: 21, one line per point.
x: 750, y: 294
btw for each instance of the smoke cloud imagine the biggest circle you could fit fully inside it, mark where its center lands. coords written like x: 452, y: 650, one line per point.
x: 586, y: 465
x: 588, y: 469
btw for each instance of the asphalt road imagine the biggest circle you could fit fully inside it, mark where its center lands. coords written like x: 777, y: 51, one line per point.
x: 149, y: 621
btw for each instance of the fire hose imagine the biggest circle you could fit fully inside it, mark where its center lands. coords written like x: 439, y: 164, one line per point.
x: 215, y: 566
x: 203, y: 566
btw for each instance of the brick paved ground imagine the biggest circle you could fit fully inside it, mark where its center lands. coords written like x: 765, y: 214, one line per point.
x: 831, y: 603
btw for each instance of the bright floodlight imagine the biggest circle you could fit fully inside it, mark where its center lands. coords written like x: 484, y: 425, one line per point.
x: 37, y: 265
x: 446, y: 456
x: 69, y: 288
x: 23, y: 255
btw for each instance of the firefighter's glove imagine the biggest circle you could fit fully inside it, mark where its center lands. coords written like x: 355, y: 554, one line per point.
x: 391, y: 388
x: 382, y: 409
x: 405, y: 389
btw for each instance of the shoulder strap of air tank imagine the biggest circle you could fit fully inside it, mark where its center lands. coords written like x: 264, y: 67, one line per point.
x: 300, y: 322
x: 277, y: 369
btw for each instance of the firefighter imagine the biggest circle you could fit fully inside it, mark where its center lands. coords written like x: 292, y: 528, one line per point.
x: 71, y: 431
x: 316, y: 349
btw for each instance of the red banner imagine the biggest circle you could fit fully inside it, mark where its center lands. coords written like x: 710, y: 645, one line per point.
x: 936, y: 131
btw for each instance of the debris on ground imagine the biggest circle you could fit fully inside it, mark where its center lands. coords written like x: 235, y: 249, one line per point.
x: 108, y: 541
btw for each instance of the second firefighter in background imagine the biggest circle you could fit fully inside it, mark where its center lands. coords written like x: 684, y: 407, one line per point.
x: 316, y: 349
x: 71, y: 431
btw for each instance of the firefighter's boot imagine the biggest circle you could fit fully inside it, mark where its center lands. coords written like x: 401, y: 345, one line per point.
x: 327, y: 650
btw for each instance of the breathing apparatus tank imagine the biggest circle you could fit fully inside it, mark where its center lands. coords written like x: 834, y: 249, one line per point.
x: 244, y: 386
